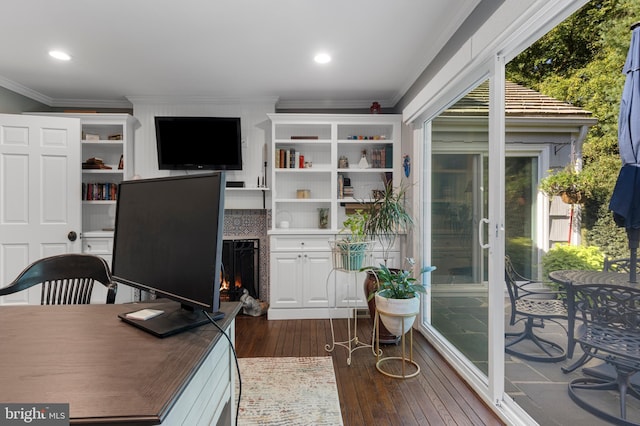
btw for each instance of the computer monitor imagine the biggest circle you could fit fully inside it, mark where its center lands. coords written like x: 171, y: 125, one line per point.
x: 168, y: 241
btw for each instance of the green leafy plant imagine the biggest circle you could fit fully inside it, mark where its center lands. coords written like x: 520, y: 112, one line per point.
x: 564, y: 256
x: 388, y: 217
x: 353, y: 246
x: 565, y: 180
x: 356, y: 224
x: 397, y: 283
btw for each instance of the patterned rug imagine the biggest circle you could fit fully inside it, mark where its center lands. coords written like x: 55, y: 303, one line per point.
x: 289, y: 391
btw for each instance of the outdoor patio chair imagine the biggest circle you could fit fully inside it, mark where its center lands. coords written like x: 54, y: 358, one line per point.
x: 621, y: 265
x: 534, y: 304
x: 67, y: 279
x: 610, y: 331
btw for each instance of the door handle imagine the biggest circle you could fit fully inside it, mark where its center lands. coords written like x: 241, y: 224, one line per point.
x: 72, y: 236
x: 480, y: 239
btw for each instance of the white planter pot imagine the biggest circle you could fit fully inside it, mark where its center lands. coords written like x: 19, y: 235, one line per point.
x: 392, y: 312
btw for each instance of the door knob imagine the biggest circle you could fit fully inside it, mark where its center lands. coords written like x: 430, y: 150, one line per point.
x: 72, y: 236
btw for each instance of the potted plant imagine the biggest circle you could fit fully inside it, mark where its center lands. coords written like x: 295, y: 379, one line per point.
x: 388, y: 217
x: 397, y: 296
x: 565, y: 182
x: 352, y: 249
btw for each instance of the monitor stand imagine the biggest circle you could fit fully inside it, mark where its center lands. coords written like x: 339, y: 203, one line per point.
x: 175, y: 319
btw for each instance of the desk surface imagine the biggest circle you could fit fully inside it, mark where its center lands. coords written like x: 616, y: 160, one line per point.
x: 578, y: 277
x: 108, y: 371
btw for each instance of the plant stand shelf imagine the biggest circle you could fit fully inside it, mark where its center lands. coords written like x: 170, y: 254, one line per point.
x: 353, y: 342
x: 404, y: 361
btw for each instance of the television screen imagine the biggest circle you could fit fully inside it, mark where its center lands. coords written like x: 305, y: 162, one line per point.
x: 168, y: 241
x: 199, y: 143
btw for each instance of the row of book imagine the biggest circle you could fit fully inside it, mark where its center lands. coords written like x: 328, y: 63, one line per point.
x: 289, y: 159
x: 381, y: 158
x: 99, y: 191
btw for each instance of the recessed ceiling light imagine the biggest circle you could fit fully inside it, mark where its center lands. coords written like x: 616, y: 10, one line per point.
x: 58, y: 54
x: 322, y: 58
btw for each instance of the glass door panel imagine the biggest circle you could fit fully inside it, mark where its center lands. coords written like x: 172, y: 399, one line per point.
x: 521, y: 177
x: 459, y: 201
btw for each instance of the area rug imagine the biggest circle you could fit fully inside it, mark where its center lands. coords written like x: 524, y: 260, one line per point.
x: 288, y: 391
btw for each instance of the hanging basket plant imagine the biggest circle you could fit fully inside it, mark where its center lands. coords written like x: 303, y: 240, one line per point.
x: 571, y: 197
x: 566, y: 182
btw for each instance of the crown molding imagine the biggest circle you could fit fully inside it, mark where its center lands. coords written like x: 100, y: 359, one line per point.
x: 25, y: 91
x: 200, y: 100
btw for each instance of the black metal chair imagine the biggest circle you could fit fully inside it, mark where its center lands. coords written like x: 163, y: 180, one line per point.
x: 67, y: 279
x: 610, y: 331
x: 534, y: 304
x: 618, y: 265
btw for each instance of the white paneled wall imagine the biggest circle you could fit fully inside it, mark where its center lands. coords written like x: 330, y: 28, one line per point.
x: 256, y: 134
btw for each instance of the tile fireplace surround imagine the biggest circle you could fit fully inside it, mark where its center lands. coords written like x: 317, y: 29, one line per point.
x: 251, y: 224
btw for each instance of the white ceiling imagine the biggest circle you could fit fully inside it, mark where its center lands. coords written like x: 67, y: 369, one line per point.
x: 222, y: 49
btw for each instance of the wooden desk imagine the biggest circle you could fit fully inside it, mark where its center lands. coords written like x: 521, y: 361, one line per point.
x: 111, y: 372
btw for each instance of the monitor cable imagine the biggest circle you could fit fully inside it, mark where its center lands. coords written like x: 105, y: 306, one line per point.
x: 235, y: 358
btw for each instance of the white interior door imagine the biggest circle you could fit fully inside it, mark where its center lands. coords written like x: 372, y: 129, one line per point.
x: 40, y: 187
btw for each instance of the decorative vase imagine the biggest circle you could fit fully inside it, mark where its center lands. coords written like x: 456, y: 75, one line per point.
x: 402, y: 313
x: 323, y: 217
x: 352, y: 255
x: 363, y: 164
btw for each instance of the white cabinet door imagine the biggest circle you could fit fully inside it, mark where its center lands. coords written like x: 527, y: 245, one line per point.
x: 350, y: 289
x: 286, y: 280
x: 316, y: 267
x: 40, y: 183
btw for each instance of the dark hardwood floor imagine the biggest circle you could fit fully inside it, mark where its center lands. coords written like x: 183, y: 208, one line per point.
x: 437, y: 396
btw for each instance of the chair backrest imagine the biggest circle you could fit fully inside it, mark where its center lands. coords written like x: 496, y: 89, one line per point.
x: 67, y: 279
x: 611, y: 314
x: 511, y: 278
x: 622, y: 265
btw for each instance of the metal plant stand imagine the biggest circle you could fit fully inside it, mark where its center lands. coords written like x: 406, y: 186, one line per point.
x: 403, y: 359
x: 343, y: 261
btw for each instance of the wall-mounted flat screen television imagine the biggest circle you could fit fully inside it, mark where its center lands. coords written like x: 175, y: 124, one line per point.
x: 168, y: 241
x: 199, y: 143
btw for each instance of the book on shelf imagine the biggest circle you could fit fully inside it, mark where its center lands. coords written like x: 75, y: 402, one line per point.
x: 288, y: 158
x: 381, y: 158
x: 99, y: 191
x: 95, y: 163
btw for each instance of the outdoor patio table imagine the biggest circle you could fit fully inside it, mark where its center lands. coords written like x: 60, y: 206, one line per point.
x: 617, y: 372
x: 574, y: 277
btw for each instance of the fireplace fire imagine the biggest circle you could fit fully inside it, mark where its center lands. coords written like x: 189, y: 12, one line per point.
x: 240, y: 269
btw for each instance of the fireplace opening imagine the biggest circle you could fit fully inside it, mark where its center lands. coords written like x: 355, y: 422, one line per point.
x: 240, y: 269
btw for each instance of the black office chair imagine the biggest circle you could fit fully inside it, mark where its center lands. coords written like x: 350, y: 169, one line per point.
x: 67, y: 279
x: 610, y: 331
x: 533, y: 304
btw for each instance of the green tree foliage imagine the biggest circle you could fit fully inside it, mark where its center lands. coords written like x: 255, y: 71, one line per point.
x: 580, y: 62
x: 568, y: 47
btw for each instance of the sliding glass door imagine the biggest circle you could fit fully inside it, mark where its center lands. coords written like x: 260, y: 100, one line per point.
x: 458, y: 179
